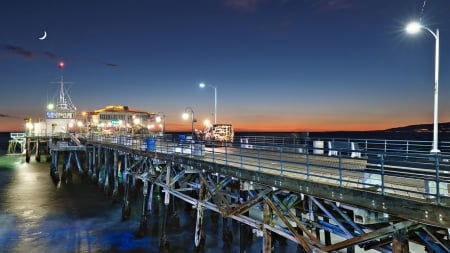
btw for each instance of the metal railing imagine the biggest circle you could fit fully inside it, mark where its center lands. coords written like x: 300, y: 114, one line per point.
x: 404, y: 168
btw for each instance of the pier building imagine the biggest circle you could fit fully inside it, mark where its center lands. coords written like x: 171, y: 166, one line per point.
x: 120, y: 118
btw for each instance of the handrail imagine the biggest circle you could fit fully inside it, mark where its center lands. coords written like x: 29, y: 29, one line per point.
x: 405, y: 168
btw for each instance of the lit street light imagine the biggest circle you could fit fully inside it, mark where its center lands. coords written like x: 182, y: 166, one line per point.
x: 161, y: 117
x: 186, y: 116
x: 415, y: 27
x: 202, y: 85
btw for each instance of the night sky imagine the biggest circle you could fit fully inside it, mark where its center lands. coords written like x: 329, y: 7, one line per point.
x: 278, y: 65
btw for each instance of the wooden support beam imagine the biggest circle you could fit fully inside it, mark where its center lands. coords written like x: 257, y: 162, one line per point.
x: 249, y: 203
x: 267, y: 234
x: 300, y: 239
x: 377, y: 234
x: 400, y: 241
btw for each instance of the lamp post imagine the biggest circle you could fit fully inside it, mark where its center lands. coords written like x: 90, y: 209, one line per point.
x: 186, y: 115
x: 414, y: 27
x: 202, y: 85
x: 161, y: 117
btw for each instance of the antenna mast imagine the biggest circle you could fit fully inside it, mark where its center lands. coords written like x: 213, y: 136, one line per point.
x: 64, y: 101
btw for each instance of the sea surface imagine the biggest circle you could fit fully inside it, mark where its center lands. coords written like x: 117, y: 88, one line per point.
x: 37, y: 215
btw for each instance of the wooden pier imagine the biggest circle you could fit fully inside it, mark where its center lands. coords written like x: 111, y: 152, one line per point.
x: 273, y: 190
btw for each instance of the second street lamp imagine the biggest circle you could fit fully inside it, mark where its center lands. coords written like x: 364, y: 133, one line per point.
x: 186, y: 116
x: 202, y: 85
x: 415, y: 27
x: 161, y: 117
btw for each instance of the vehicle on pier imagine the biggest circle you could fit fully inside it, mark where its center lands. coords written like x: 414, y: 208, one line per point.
x: 217, y: 135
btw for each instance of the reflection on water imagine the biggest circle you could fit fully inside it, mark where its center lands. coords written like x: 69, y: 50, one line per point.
x: 38, y: 216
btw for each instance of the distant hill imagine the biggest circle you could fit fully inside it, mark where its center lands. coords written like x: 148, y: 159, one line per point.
x: 420, y: 128
x: 412, y: 132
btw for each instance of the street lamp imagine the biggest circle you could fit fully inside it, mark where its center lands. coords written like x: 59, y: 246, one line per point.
x: 414, y: 27
x: 186, y: 116
x: 202, y: 85
x: 161, y: 117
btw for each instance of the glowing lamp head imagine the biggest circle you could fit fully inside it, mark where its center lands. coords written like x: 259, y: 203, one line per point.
x: 61, y: 64
x: 201, y: 85
x: 185, y: 116
x: 413, y: 27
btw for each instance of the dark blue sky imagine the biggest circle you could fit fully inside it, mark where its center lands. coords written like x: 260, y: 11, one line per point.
x: 290, y: 65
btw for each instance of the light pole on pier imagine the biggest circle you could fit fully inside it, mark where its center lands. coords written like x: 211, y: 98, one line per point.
x: 202, y: 85
x: 186, y: 116
x: 161, y: 117
x: 415, y: 27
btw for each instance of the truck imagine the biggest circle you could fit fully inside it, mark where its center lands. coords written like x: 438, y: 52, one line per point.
x: 218, y: 135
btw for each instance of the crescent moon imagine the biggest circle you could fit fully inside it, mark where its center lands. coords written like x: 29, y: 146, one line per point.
x: 43, y: 36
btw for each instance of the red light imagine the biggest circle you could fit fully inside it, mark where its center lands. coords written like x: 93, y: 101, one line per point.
x: 61, y: 65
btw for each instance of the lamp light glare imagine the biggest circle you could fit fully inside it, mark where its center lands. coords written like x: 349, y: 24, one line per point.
x: 201, y: 85
x: 413, y: 27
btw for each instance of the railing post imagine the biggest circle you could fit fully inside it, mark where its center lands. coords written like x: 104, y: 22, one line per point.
x: 226, y: 154
x: 213, y: 152
x: 240, y: 157
x: 407, y: 149
x: 436, y: 164
x: 281, y: 161
x: 340, y: 167
x: 308, y: 177
x: 259, y: 158
x: 382, y: 173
